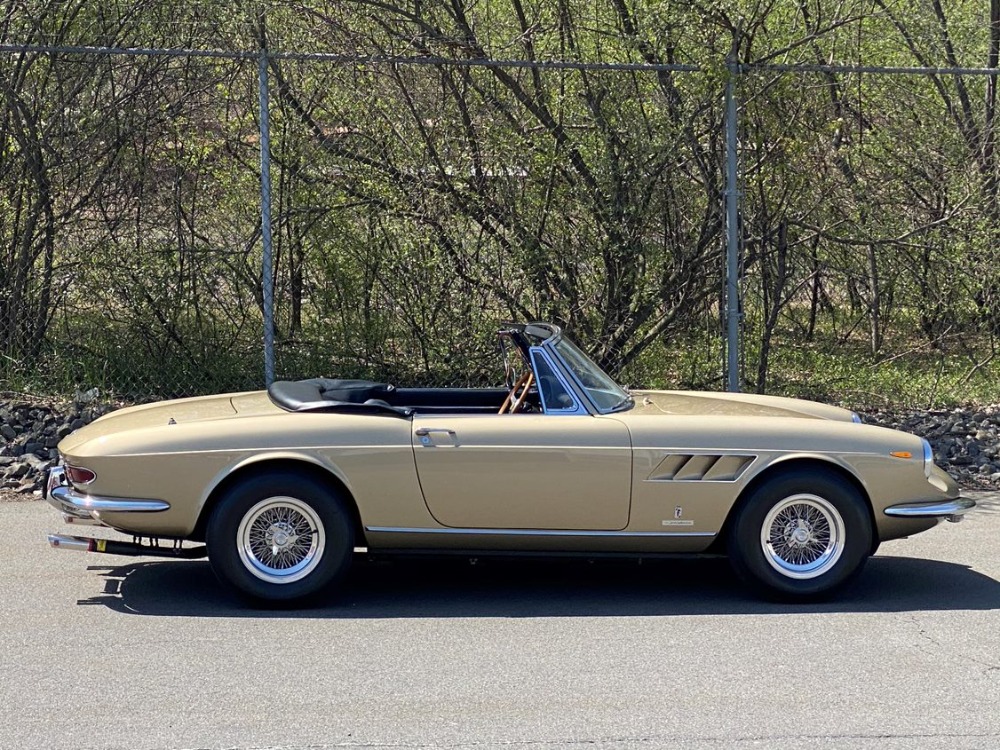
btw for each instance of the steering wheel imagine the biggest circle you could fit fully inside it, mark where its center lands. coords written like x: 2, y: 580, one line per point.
x: 515, y: 399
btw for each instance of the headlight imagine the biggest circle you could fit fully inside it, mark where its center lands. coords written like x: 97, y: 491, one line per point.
x: 855, y: 417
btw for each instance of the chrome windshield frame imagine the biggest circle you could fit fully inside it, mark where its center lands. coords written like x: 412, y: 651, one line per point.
x: 556, y: 356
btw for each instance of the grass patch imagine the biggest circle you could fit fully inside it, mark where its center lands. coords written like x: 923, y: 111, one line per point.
x: 128, y: 363
x: 852, y: 376
x: 908, y: 374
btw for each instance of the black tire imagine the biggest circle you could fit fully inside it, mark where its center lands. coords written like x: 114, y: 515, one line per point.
x: 800, y: 536
x: 280, y: 539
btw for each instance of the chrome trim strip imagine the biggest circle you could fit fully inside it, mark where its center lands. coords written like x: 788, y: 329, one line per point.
x: 537, y: 532
x: 932, y: 509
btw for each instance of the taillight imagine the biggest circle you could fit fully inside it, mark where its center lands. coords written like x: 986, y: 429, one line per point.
x: 79, y: 475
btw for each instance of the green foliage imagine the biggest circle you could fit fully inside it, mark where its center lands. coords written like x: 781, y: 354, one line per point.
x: 417, y: 206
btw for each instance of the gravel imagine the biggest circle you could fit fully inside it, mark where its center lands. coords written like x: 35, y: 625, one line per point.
x: 966, y: 441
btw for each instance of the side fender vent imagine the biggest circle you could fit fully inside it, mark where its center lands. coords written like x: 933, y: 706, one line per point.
x: 700, y: 467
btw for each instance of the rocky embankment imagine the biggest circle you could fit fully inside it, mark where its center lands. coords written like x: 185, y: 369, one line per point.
x: 29, y: 434
x: 966, y: 442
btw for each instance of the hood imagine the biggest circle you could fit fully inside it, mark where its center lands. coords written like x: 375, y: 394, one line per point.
x: 699, y: 403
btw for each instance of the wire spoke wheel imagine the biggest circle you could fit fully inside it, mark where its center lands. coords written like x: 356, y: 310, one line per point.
x: 803, y: 536
x: 281, y: 540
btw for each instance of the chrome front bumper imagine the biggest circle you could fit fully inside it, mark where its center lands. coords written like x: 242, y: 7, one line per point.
x: 951, y: 510
x: 79, y: 507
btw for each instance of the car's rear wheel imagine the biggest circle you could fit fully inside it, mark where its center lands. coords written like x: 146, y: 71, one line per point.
x: 280, y: 538
x: 802, y: 534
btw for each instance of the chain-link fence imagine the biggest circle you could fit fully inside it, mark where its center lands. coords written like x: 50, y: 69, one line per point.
x: 444, y: 172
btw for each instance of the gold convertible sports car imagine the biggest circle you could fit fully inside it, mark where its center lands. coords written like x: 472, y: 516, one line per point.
x: 280, y: 488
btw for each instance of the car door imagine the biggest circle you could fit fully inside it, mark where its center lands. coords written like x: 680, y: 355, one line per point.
x: 524, y: 471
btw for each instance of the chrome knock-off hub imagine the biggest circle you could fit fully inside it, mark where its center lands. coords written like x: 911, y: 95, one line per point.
x: 280, y: 537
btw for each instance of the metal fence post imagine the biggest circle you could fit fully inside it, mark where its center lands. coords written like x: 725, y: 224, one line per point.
x: 732, y: 234
x: 267, y: 274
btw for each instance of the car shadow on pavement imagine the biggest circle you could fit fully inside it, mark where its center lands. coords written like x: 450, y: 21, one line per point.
x: 550, y: 588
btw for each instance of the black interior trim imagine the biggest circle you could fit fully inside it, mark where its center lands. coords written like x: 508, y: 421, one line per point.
x: 449, y: 397
x: 364, y: 396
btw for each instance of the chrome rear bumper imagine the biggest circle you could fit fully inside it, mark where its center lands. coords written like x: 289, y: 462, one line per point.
x: 62, y: 496
x: 80, y: 509
x: 951, y: 510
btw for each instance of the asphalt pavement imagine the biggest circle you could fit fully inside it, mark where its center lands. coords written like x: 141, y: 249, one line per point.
x: 100, y: 651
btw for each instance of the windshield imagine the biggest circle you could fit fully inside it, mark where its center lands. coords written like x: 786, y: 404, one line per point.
x: 606, y: 394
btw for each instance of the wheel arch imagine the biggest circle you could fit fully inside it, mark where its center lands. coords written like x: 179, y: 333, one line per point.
x: 280, y: 463
x: 793, y: 463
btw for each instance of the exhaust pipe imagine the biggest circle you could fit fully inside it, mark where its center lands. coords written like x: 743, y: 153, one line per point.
x: 61, y: 541
x: 128, y: 549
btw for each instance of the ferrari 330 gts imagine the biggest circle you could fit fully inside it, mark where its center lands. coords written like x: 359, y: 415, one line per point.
x: 280, y: 488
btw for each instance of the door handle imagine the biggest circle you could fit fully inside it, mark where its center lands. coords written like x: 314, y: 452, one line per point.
x: 424, y: 434
x: 425, y: 431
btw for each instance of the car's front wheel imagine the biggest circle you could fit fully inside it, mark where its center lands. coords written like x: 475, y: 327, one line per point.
x: 280, y: 538
x: 801, y: 534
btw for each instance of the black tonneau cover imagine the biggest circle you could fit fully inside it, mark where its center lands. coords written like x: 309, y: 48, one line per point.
x: 328, y: 394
